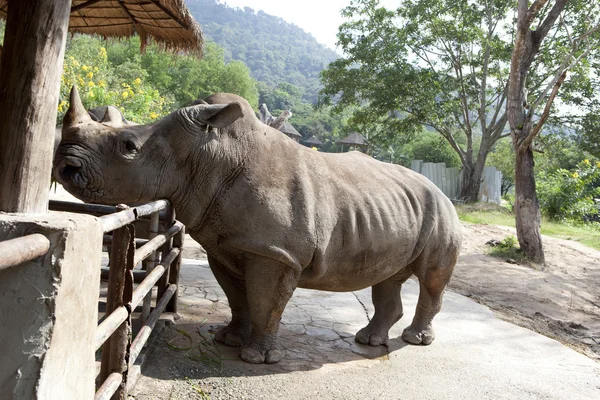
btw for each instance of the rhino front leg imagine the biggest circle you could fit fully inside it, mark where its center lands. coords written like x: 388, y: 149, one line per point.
x: 388, y: 310
x: 269, y: 285
x: 237, y: 332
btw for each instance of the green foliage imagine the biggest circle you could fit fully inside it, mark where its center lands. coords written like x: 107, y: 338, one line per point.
x: 274, y: 50
x: 430, y: 147
x: 149, y: 85
x: 570, y: 195
x: 503, y: 158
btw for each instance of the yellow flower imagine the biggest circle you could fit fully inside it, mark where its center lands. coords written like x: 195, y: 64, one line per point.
x: 314, y: 148
x: 61, y: 106
x: 85, y: 67
x: 575, y: 175
x: 153, y: 115
x: 586, y: 162
x: 101, y: 83
x: 75, y: 63
x: 137, y: 81
x: 90, y: 75
x: 125, y: 94
x: 598, y: 164
x: 91, y: 84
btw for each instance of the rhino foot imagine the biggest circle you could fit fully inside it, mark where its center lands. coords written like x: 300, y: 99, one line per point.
x: 255, y: 356
x: 418, y: 336
x: 232, y: 335
x: 371, y: 337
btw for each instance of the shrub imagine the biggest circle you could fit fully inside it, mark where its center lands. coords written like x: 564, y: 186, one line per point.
x: 570, y: 195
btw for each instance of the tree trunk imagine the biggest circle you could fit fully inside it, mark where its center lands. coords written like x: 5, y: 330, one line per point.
x: 471, y: 181
x: 527, y: 209
x: 32, y: 63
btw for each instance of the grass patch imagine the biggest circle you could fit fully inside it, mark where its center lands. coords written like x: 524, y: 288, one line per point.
x: 508, y: 248
x: 493, y: 214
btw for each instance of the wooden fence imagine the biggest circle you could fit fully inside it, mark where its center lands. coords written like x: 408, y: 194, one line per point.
x: 449, y: 179
x: 160, y: 254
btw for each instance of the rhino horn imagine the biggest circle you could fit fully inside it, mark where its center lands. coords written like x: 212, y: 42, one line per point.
x: 112, y: 117
x: 76, y: 114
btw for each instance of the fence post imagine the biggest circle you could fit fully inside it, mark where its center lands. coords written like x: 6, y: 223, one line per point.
x: 115, y: 352
x: 175, y: 270
x: 165, y: 249
x: 149, y: 265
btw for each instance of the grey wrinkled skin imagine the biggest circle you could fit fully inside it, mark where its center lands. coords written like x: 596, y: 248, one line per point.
x: 274, y: 215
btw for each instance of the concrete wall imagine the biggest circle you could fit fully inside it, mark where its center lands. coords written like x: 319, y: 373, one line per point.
x: 48, y: 309
x: 449, y: 179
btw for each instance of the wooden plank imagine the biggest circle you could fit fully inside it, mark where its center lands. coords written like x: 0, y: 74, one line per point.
x: 30, y: 71
x: 156, y: 242
x: 17, y: 251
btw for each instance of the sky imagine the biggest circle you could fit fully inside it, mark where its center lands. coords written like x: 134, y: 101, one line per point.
x: 321, y: 18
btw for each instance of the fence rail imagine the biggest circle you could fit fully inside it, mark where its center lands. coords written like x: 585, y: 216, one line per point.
x: 25, y: 248
x: 160, y: 254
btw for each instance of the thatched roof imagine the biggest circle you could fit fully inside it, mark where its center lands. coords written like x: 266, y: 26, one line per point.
x: 354, y: 139
x: 313, y: 140
x: 289, y: 130
x: 169, y: 22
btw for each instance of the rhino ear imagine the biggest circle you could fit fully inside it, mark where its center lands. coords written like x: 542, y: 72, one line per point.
x: 76, y: 114
x: 216, y: 115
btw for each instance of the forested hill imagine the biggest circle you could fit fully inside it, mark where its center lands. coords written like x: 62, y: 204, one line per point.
x: 274, y: 50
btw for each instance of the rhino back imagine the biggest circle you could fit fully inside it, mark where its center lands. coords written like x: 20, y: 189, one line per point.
x: 339, y: 218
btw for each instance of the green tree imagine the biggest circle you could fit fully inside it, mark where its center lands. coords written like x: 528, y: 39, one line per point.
x: 553, y: 39
x: 438, y: 63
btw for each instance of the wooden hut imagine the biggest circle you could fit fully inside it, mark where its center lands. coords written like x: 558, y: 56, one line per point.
x: 313, y: 141
x: 354, y: 140
x: 30, y: 70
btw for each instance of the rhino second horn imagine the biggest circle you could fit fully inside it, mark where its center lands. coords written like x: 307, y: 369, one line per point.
x: 112, y: 117
x: 76, y: 114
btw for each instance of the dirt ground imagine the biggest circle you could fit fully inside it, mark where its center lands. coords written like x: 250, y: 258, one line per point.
x: 560, y: 300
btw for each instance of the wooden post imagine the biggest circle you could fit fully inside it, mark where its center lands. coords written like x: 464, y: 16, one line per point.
x: 115, y: 352
x: 175, y: 270
x: 149, y: 265
x: 32, y: 63
x: 166, y: 248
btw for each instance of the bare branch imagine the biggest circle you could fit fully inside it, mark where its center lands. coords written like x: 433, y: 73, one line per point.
x: 549, y: 21
x: 533, y: 11
x: 538, y: 127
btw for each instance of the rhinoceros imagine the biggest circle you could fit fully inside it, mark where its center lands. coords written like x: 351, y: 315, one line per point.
x: 273, y: 215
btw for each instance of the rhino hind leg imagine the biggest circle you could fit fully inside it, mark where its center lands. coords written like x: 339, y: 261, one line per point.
x: 433, y: 278
x: 237, y: 332
x: 388, y: 310
x: 270, y: 284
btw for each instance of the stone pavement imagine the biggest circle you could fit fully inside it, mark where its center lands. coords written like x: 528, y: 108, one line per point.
x: 474, y: 356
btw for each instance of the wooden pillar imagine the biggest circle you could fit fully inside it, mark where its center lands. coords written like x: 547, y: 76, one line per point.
x: 30, y: 71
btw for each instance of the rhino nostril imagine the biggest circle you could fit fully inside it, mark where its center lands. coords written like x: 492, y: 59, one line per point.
x: 70, y: 170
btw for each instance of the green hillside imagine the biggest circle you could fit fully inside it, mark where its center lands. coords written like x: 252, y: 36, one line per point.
x: 274, y: 50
